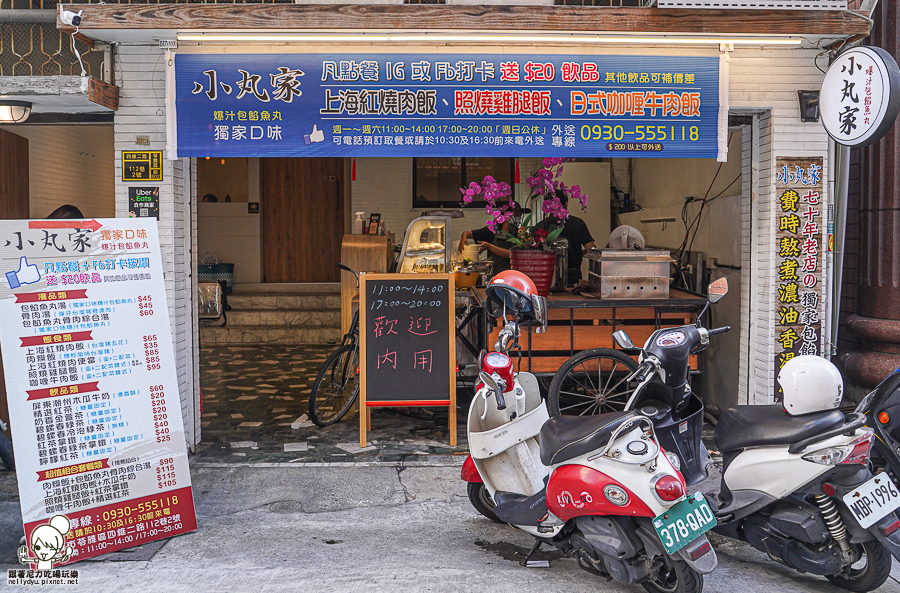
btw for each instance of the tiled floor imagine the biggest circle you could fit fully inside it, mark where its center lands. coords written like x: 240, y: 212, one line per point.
x: 251, y: 395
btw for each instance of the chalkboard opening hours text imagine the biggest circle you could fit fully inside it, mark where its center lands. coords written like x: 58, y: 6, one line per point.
x: 378, y: 304
x: 420, y: 289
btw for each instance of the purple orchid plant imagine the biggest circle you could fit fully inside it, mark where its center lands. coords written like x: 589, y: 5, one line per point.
x: 545, y: 185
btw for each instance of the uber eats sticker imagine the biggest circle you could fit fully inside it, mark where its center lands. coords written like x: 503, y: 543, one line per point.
x: 143, y: 202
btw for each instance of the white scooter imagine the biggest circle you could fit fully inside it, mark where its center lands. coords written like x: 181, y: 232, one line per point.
x: 796, y: 482
x: 797, y: 485
x: 598, y: 487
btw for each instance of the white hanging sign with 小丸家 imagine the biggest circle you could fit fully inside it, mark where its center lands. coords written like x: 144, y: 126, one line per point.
x: 860, y: 96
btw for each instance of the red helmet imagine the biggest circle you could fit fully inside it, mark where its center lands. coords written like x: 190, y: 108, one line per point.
x: 512, y: 290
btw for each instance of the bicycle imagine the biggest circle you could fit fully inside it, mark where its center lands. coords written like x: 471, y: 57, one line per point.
x: 337, y: 384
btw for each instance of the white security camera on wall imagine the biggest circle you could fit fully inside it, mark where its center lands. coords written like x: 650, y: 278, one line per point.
x: 71, y: 18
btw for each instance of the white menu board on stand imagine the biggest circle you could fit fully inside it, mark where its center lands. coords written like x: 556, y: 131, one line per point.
x: 92, y: 387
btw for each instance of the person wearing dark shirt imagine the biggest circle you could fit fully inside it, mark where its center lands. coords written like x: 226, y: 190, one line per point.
x: 497, y: 248
x: 578, y: 235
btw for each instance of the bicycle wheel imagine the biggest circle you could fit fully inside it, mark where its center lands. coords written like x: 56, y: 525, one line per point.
x: 336, y: 386
x: 592, y: 382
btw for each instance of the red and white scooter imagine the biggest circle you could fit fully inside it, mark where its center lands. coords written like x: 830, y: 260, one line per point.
x: 599, y: 487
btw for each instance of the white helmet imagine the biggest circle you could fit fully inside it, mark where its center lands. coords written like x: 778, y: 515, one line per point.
x: 810, y: 384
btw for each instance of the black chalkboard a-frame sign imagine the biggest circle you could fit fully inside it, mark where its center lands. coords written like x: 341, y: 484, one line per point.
x: 407, y: 330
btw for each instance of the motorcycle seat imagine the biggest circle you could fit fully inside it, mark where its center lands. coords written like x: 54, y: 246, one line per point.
x: 741, y: 427
x: 567, y: 437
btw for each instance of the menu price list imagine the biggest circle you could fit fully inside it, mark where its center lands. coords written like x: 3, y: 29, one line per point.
x: 92, y: 387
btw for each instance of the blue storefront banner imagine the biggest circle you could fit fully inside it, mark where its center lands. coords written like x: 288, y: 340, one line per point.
x: 403, y: 105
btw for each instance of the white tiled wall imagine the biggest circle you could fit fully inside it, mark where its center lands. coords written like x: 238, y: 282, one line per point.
x: 140, y: 77
x: 70, y: 164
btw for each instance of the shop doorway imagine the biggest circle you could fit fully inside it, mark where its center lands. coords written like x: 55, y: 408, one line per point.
x: 14, y: 200
x: 302, y: 218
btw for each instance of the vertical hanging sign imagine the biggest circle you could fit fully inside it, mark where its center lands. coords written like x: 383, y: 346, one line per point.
x: 800, y: 208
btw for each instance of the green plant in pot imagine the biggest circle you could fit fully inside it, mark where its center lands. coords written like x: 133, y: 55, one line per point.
x: 530, y: 251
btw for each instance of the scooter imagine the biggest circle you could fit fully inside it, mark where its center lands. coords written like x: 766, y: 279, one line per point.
x: 598, y: 487
x: 882, y: 409
x: 664, y: 394
x: 800, y: 489
x: 797, y: 487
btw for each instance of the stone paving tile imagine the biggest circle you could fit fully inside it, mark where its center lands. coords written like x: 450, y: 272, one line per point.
x: 279, y: 380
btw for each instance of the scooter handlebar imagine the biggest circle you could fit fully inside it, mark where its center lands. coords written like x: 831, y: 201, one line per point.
x: 501, y: 403
x: 720, y: 330
x: 642, y: 371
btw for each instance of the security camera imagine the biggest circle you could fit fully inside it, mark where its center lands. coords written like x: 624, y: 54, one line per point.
x: 71, y: 18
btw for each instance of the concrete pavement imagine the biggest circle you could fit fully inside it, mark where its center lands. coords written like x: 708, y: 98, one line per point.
x: 360, y: 527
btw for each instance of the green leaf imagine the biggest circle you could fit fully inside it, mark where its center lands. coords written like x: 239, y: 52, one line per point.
x: 515, y: 242
x: 504, y: 235
x: 554, y: 234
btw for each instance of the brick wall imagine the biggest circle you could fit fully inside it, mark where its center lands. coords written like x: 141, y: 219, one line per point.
x: 141, y: 78
x: 70, y: 164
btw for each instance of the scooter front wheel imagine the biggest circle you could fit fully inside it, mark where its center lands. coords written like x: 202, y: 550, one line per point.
x: 675, y: 576
x: 482, y: 501
x: 868, y: 573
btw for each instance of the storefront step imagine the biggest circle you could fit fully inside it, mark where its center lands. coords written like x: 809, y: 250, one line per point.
x: 255, y: 334
x: 285, y: 317
x: 294, y: 301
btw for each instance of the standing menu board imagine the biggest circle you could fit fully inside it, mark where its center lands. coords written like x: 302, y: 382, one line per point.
x: 408, y: 343
x: 92, y: 388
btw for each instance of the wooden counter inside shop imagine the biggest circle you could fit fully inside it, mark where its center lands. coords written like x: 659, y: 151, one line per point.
x: 577, y: 323
x: 363, y: 253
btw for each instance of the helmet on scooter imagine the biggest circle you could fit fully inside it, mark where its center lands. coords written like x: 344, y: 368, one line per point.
x: 810, y: 384
x: 512, y: 291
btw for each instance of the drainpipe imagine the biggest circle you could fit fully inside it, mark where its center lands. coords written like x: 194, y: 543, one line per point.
x: 840, y: 228
x: 830, y: 319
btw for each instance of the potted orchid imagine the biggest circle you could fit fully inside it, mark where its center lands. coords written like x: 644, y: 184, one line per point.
x: 530, y: 252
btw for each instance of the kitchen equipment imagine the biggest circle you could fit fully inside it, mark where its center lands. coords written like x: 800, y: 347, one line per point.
x: 465, y: 279
x: 626, y: 237
x: 615, y: 274
x: 561, y: 270
x: 425, y: 246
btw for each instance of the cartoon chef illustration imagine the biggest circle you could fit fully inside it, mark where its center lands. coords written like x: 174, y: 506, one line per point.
x: 48, y: 541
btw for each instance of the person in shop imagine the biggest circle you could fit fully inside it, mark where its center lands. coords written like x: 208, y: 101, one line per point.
x: 497, y: 247
x: 67, y: 211
x: 578, y: 235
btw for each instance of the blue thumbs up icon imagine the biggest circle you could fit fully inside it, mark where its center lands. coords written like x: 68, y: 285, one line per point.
x: 26, y: 274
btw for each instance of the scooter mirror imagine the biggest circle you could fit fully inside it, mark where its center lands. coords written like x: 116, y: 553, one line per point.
x: 539, y: 306
x: 717, y: 290
x: 489, y: 381
x: 623, y: 340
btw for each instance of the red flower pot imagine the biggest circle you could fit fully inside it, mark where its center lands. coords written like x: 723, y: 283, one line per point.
x: 537, y: 264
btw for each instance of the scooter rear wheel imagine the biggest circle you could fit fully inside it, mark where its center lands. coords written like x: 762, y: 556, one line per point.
x: 482, y: 501
x: 870, y: 572
x: 675, y: 576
